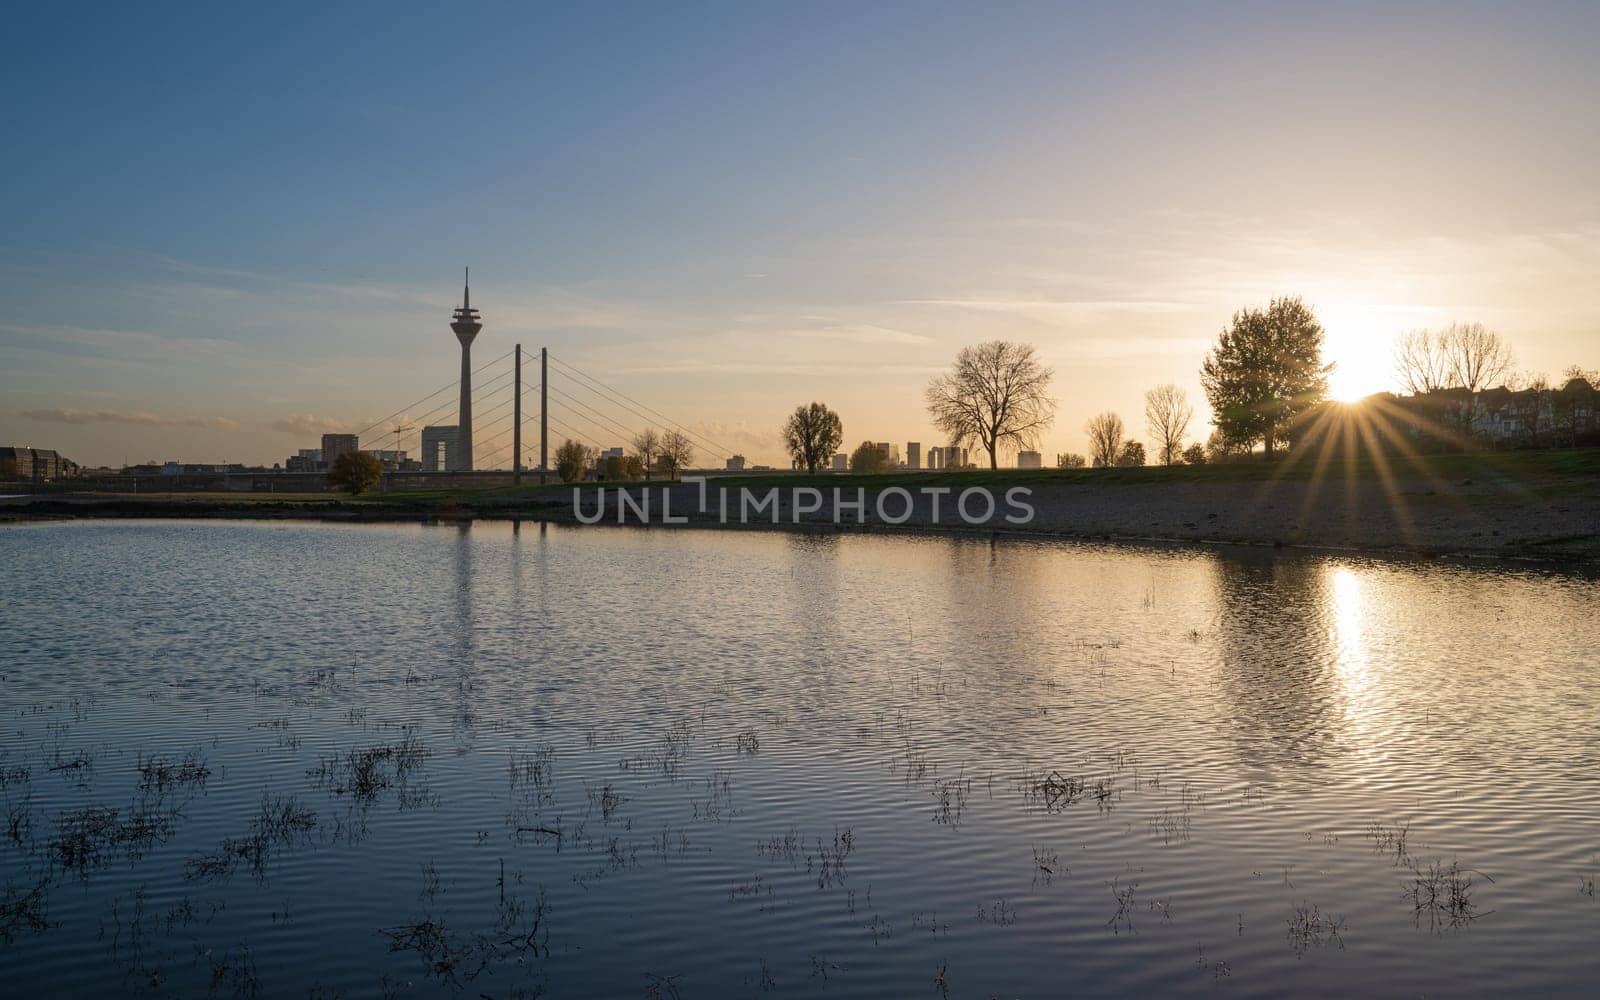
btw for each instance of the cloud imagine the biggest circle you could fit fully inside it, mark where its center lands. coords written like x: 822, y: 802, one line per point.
x: 71, y: 415
x: 1056, y: 310
x: 862, y: 333
x: 306, y: 423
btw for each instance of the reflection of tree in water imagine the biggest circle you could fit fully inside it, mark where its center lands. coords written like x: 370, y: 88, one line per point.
x: 1279, y: 658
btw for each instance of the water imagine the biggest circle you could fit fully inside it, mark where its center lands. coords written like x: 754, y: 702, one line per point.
x: 618, y: 762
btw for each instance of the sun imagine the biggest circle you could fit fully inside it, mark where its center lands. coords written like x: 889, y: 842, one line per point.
x: 1361, y: 360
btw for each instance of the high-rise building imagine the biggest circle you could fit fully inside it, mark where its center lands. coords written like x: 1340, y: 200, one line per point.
x: 913, y: 454
x: 1029, y: 460
x: 466, y: 326
x: 334, y: 445
x: 841, y: 462
x: 438, y: 448
x: 736, y: 463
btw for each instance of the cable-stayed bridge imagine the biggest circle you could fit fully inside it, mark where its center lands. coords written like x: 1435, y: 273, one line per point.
x: 523, y: 405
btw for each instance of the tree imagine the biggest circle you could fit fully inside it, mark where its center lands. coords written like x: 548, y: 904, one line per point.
x: 572, y: 459
x: 619, y: 468
x: 1475, y: 356
x: 1266, y: 368
x: 1069, y: 460
x: 355, y: 472
x: 1195, y: 454
x: 648, y: 445
x: 996, y: 394
x: 868, y: 459
x: 1105, y: 439
x: 1589, y: 375
x: 1131, y: 456
x: 1420, y: 362
x: 1167, y: 414
x: 812, y: 434
x: 677, y: 451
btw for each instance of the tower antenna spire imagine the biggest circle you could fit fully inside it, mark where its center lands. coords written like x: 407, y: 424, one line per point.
x: 466, y: 287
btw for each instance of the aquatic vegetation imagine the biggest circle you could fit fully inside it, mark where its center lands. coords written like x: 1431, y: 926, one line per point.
x: 1310, y: 928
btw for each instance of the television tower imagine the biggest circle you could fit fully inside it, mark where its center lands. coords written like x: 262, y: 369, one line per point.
x: 465, y: 324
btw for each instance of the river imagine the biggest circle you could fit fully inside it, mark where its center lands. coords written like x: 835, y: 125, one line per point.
x: 302, y: 759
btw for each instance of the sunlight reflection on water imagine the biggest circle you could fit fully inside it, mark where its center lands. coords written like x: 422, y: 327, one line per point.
x: 721, y: 762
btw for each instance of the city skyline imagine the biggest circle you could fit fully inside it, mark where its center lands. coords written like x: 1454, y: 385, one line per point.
x: 730, y: 215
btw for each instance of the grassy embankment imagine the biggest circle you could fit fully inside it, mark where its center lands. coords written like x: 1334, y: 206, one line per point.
x: 1538, y: 473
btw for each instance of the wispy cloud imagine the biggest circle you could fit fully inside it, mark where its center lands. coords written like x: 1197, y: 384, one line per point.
x: 71, y: 415
x: 307, y: 423
x: 861, y: 333
x: 1055, y: 310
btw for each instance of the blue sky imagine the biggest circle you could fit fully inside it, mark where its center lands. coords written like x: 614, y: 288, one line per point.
x: 230, y: 226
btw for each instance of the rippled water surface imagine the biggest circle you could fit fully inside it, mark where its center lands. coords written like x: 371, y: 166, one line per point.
x: 295, y: 759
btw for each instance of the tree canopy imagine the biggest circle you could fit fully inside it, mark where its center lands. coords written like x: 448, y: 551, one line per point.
x: 812, y: 434
x: 355, y: 472
x: 996, y: 394
x: 1266, y: 368
x: 868, y: 459
x: 572, y: 459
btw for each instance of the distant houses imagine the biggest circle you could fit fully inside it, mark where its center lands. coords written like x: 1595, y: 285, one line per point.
x: 34, y: 465
x: 1460, y: 420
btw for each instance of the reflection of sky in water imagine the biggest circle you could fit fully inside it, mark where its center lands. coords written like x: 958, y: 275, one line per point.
x: 747, y: 696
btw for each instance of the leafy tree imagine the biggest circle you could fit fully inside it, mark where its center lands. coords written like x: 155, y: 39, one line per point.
x: 677, y: 451
x: 996, y: 394
x: 355, y: 472
x: 1195, y: 454
x: 1105, y: 439
x: 1069, y: 460
x: 1131, y: 456
x: 648, y: 444
x: 812, y: 434
x: 572, y: 459
x: 619, y: 468
x: 1266, y: 368
x: 868, y: 459
x: 1167, y: 414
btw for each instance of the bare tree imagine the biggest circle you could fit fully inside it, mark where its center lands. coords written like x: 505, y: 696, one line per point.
x: 648, y: 444
x: 1105, y: 439
x: 812, y: 434
x: 996, y: 394
x: 677, y: 451
x: 1167, y: 414
x: 1476, y: 356
x: 1420, y: 361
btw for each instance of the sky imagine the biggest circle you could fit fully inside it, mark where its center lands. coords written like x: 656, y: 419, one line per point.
x: 228, y: 228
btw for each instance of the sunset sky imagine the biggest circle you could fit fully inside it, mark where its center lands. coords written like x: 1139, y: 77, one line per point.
x: 230, y: 227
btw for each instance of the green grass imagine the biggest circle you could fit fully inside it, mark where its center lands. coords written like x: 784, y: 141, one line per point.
x: 1540, y: 471
x: 1530, y: 468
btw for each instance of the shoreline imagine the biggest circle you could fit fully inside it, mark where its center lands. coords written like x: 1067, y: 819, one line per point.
x: 1477, y: 521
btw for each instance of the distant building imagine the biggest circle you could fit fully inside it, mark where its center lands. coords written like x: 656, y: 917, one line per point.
x: 840, y: 463
x: 393, y: 460
x: 36, y: 465
x: 913, y: 454
x: 888, y: 454
x: 438, y: 448
x: 736, y: 463
x: 334, y: 445
x: 1030, y: 460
